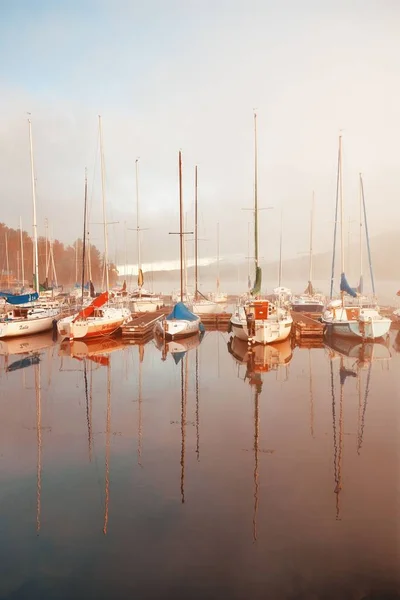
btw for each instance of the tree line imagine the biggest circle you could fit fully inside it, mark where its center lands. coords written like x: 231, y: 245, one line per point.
x: 58, y: 263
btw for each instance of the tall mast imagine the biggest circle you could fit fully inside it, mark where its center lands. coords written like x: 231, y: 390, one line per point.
x: 35, y: 236
x: 361, y: 209
x: 248, y: 256
x: 181, y: 221
x: 84, y: 236
x: 22, y: 252
x: 46, y: 228
x: 217, y: 258
x: 367, y: 236
x: 255, y: 193
x: 341, y: 207
x: 280, y: 252
x: 137, y: 220
x: 310, y: 271
x: 196, y: 237
x: 7, y: 262
x: 103, y: 194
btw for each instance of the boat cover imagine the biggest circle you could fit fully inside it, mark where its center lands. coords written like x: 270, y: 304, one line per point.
x: 182, y: 313
x: 345, y: 287
x: 257, y: 284
x: 19, y: 299
x: 309, y: 289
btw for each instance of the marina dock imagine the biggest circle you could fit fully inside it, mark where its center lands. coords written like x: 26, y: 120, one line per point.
x: 306, y: 328
x: 216, y: 322
x: 141, y: 325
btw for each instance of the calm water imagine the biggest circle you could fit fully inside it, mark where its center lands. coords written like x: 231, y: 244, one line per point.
x: 129, y: 472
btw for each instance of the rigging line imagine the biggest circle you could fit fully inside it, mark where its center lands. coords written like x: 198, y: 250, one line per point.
x: 335, y: 226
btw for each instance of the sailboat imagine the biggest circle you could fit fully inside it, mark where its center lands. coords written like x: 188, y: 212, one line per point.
x: 181, y: 322
x: 309, y: 301
x: 346, y: 318
x: 28, y: 316
x: 201, y: 304
x: 257, y: 320
x: 143, y: 300
x: 98, y: 318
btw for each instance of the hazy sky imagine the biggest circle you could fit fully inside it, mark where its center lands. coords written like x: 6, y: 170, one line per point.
x: 172, y: 74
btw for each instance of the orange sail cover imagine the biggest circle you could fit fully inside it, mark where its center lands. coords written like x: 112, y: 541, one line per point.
x: 89, y: 310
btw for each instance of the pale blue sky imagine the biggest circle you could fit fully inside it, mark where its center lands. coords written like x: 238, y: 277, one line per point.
x: 186, y: 74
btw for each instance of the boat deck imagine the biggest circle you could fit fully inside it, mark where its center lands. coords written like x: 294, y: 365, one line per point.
x: 142, y: 324
x: 306, y: 327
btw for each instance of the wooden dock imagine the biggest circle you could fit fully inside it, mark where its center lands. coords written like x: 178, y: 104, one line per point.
x: 216, y: 322
x: 141, y: 325
x: 306, y: 328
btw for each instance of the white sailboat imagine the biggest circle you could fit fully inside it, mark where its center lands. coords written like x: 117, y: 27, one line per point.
x: 27, y: 316
x: 346, y: 318
x: 143, y: 300
x: 258, y: 321
x: 310, y: 301
x: 181, y: 322
x: 201, y: 304
x: 98, y: 318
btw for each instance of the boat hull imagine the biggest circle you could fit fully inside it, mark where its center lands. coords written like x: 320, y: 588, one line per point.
x: 354, y: 329
x: 266, y: 332
x: 143, y: 306
x: 206, y: 307
x: 176, y: 329
x: 26, y: 326
x: 93, y: 327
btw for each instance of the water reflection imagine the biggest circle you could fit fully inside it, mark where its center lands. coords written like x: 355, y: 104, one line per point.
x: 205, y: 477
x: 177, y: 348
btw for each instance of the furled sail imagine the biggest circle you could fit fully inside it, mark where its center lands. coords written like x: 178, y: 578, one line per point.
x: 257, y: 284
x: 360, y: 286
x: 345, y: 287
x: 140, y: 279
x: 89, y: 310
x: 309, y: 289
x: 21, y: 299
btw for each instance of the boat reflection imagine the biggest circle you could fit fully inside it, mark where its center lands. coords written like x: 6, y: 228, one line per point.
x: 30, y: 347
x: 259, y: 358
x: 95, y: 350
x: 177, y: 348
x: 360, y: 353
x: 354, y: 360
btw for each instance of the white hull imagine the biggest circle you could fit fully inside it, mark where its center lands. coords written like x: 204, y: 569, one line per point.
x: 92, y: 327
x: 205, y: 307
x: 146, y: 305
x: 265, y: 332
x: 366, y: 323
x: 177, y: 328
x: 26, y: 326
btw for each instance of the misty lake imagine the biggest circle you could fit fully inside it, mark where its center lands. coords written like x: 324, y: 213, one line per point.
x: 137, y: 471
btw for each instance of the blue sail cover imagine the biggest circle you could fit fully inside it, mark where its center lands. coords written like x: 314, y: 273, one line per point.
x: 360, y: 287
x: 23, y: 299
x: 345, y: 287
x: 181, y: 312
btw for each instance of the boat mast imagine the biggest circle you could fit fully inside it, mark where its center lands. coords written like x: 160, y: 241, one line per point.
x: 7, y: 262
x: 35, y: 237
x: 255, y: 194
x: 361, y: 207
x: 310, y: 270
x: 22, y: 252
x: 181, y: 221
x: 217, y: 259
x: 280, y: 252
x: 196, y: 237
x: 139, y: 258
x: 103, y: 194
x: 341, y: 208
x: 84, y: 236
x: 367, y: 236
